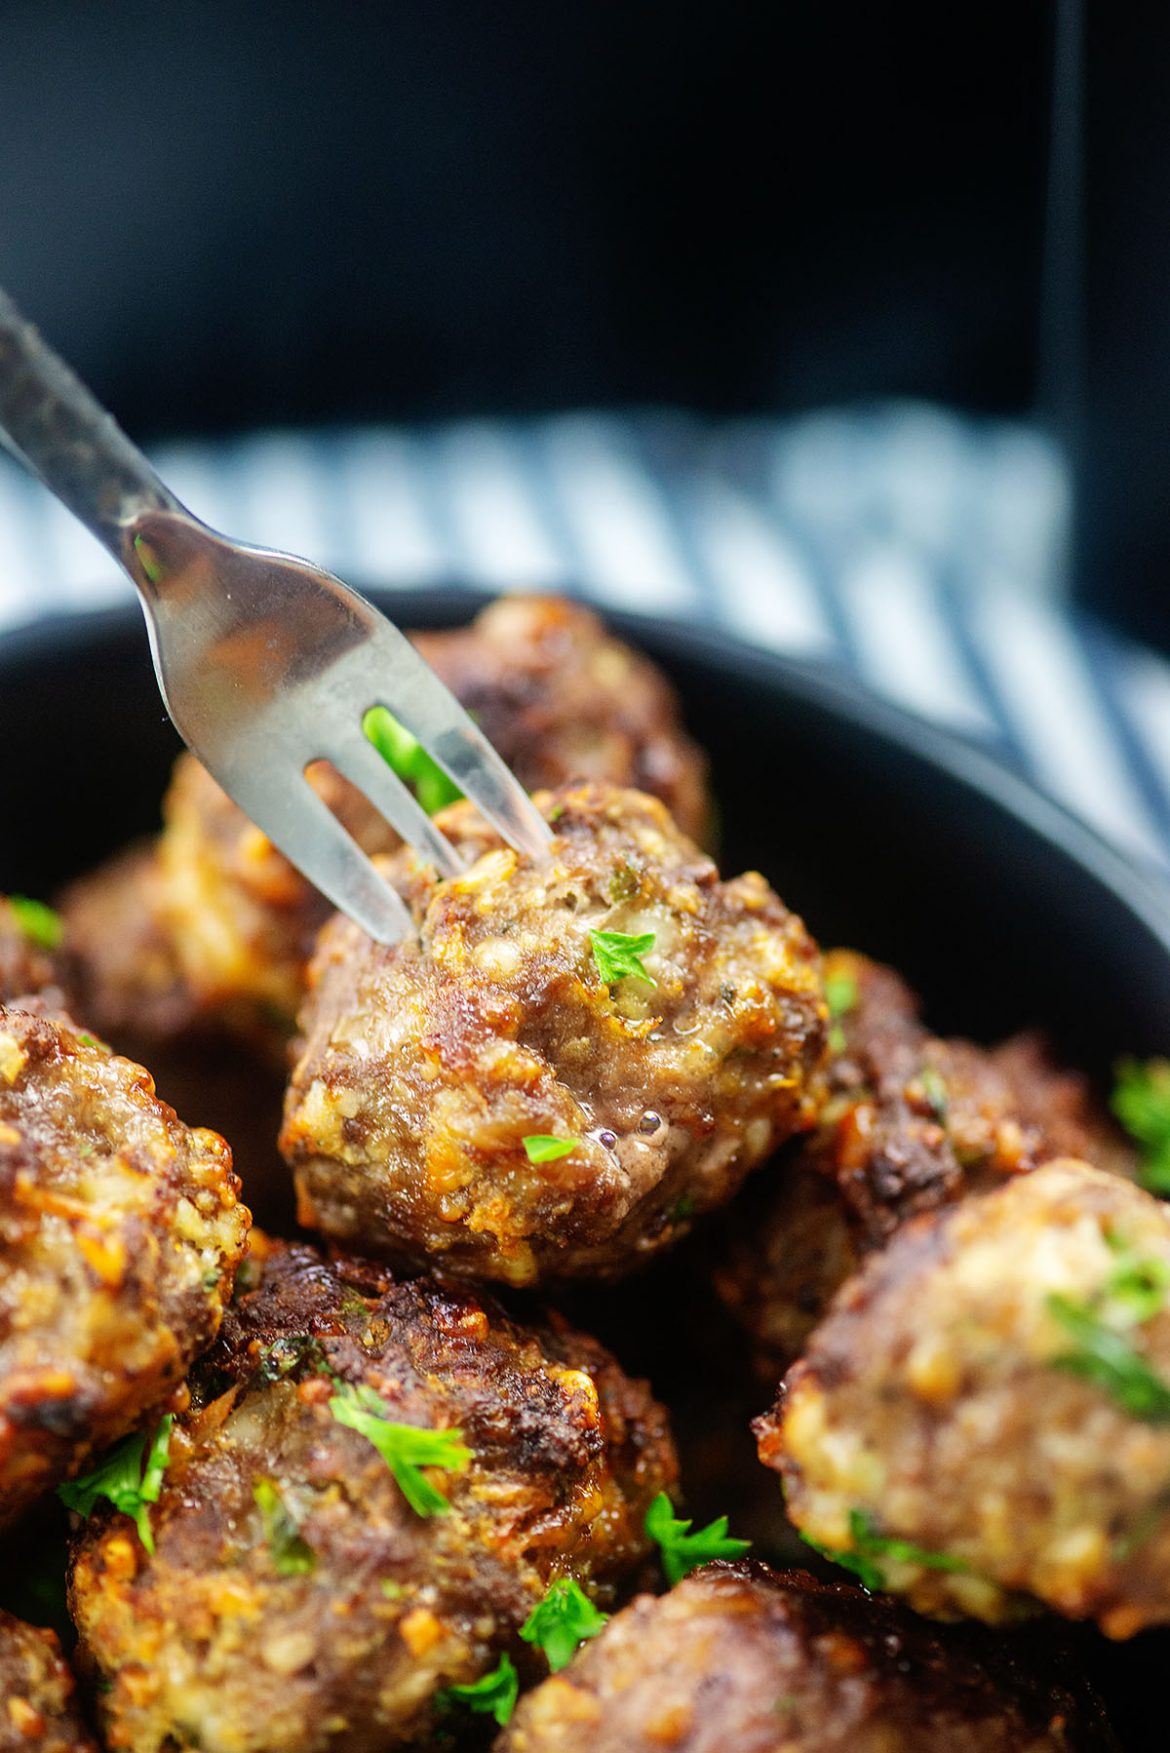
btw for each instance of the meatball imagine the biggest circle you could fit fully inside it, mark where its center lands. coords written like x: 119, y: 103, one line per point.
x: 38, y: 1711
x: 742, y: 1659
x: 912, y: 1122
x: 499, y: 1097
x: 120, y: 1231
x: 215, y: 926
x: 984, y: 1416
x: 30, y: 961
x: 562, y: 699
x: 297, y: 1597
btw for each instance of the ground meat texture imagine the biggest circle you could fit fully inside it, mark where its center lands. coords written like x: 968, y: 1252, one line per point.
x: 933, y: 1406
x: 562, y: 699
x: 223, y: 1641
x: 120, y: 1231
x: 742, y: 1659
x: 38, y: 1710
x: 212, y: 928
x: 25, y: 967
x: 912, y: 1122
x: 425, y: 1066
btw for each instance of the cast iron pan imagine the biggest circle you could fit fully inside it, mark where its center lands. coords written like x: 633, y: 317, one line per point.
x: 882, y: 832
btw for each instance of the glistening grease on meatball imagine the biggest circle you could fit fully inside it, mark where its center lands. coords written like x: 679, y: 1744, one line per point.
x: 212, y: 929
x: 311, y: 1589
x: 912, y: 1122
x: 38, y: 1708
x: 570, y: 1060
x: 984, y: 1417
x: 120, y: 1232
x: 742, y: 1659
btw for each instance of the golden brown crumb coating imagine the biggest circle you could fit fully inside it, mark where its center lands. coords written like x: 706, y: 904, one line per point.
x: 214, y: 927
x: 426, y: 1066
x: 994, y: 1389
x: 120, y: 1231
x: 742, y: 1659
x: 912, y: 1122
x: 295, y: 1598
x: 38, y: 1709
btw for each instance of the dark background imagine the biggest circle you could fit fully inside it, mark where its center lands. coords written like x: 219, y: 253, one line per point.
x: 249, y: 211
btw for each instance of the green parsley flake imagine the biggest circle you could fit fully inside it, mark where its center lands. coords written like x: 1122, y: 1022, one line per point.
x: 1103, y: 1356
x: 563, y: 1621
x: 1141, y: 1101
x: 683, y: 1551
x: 539, y: 1147
x: 867, y: 1573
x: 406, y: 756
x: 38, y: 923
x: 840, y: 994
x: 130, y: 1477
x: 934, y: 1088
x: 618, y: 954
x: 870, y: 1544
x: 405, y: 1448
x: 495, y: 1695
x: 291, y: 1555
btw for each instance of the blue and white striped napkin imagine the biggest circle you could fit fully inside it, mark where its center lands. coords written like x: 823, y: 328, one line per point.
x: 921, y: 551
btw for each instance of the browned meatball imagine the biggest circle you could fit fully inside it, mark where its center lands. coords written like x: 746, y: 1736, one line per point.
x: 120, y: 1231
x: 562, y: 699
x: 296, y: 1598
x: 426, y: 1067
x: 38, y: 1710
x: 742, y: 1659
x: 213, y: 929
x: 985, y: 1414
x: 30, y: 959
x: 912, y: 1122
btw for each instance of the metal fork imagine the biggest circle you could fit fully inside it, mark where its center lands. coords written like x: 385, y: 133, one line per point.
x: 265, y: 663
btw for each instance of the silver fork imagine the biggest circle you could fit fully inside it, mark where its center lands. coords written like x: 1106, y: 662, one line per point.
x: 265, y: 663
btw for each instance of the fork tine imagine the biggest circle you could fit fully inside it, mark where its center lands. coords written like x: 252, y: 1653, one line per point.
x: 305, y: 829
x: 408, y: 687
x: 359, y: 762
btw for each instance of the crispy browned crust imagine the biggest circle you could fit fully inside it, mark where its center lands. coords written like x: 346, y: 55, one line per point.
x: 912, y: 1122
x: 425, y: 1066
x: 563, y: 700
x: 208, y: 1637
x: 120, y: 1231
x: 744, y: 1659
x: 931, y: 1400
x: 38, y: 1708
x: 211, y: 928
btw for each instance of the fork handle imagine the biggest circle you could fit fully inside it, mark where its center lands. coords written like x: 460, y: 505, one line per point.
x: 63, y: 434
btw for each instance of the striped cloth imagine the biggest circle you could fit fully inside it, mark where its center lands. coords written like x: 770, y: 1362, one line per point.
x: 920, y: 551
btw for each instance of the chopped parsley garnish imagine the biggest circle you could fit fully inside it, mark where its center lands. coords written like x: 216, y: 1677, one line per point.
x: 405, y: 1448
x: 495, y: 1695
x: 279, y: 1357
x: 291, y: 1555
x: 682, y: 1551
x: 539, y: 1147
x: 840, y: 994
x: 683, y: 1207
x: 1103, y: 1356
x: 130, y: 1477
x: 406, y: 755
x: 867, y: 1573
x: 563, y: 1621
x: 1141, y: 1101
x: 618, y: 954
x: 148, y: 559
x: 934, y: 1088
x: 39, y: 923
x: 868, y: 1546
